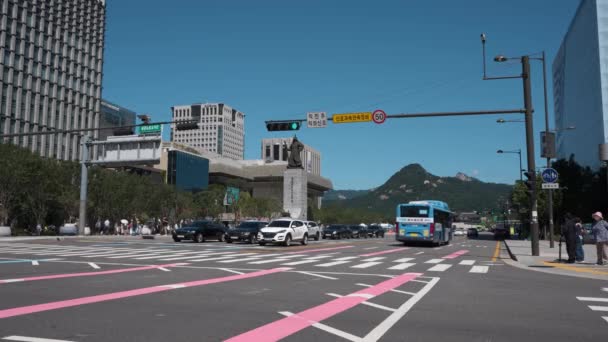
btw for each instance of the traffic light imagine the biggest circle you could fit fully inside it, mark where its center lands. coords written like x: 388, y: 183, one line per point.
x: 184, y: 126
x: 283, y: 125
x: 530, y: 181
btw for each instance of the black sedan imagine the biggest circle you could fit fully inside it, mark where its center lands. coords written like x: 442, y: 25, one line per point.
x: 337, y: 231
x: 200, y: 231
x: 358, y: 231
x: 375, y: 231
x: 472, y: 233
x: 246, y: 232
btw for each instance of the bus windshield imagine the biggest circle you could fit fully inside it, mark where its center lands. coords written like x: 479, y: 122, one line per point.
x: 414, y: 211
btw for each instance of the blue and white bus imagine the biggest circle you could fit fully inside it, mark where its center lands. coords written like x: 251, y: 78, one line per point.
x: 429, y: 221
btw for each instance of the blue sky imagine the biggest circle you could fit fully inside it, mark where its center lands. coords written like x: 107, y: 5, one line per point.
x: 280, y: 59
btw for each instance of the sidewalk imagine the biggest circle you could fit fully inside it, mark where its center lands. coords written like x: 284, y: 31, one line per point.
x: 548, y: 260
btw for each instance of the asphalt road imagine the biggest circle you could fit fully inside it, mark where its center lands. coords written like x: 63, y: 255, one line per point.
x: 129, y: 289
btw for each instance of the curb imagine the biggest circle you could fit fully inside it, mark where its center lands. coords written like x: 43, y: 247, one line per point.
x: 513, y: 257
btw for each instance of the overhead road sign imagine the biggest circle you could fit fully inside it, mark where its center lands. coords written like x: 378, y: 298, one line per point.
x: 550, y: 186
x: 352, y: 117
x: 316, y: 120
x: 150, y: 129
x: 549, y: 175
x: 379, y: 116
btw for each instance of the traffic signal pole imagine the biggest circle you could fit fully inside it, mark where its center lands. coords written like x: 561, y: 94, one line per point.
x: 525, y: 62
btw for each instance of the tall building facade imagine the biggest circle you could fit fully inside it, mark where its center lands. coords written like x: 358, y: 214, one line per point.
x: 580, y: 85
x: 51, y: 56
x: 221, y: 129
x: 273, y: 150
x: 113, y: 115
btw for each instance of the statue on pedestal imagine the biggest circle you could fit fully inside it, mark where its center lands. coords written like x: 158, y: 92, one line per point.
x: 294, y: 161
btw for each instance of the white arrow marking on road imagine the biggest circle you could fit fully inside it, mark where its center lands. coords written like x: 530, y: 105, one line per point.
x: 94, y: 265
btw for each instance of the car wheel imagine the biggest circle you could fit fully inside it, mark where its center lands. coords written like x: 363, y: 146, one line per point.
x: 252, y: 239
x: 199, y: 238
x: 177, y: 239
x: 228, y: 240
x: 304, y: 240
x: 317, y: 237
x: 287, y: 241
x: 220, y: 237
x: 262, y: 243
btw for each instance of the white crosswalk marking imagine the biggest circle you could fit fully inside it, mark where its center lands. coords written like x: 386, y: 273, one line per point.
x: 334, y: 263
x: 300, y: 262
x: 434, y: 261
x: 479, y: 269
x: 403, y: 260
x: 94, y: 265
x: 439, y: 268
x: 467, y: 262
x: 598, y: 308
x: 241, y: 260
x: 346, y: 258
x: 268, y: 261
x: 35, y: 263
x: 202, y: 256
x: 592, y: 299
x: 374, y: 259
x: 401, y: 266
x: 320, y: 257
x: 214, y: 259
x: 366, y: 265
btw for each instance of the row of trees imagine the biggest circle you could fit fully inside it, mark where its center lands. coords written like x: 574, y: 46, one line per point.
x: 35, y: 190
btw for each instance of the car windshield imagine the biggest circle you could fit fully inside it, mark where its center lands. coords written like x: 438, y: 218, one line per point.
x: 250, y: 225
x: 196, y: 224
x: 355, y: 227
x: 334, y: 227
x: 279, y: 224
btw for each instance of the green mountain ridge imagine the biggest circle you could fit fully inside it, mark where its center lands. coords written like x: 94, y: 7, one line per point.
x: 413, y: 182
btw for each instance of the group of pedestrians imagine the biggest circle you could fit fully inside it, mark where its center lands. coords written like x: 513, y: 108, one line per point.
x: 574, y: 232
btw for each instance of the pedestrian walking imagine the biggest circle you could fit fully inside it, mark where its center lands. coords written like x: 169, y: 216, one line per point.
x: 580, y: 231
x: 569, y: 234
x: 106, y: 227
x: 600, y: 232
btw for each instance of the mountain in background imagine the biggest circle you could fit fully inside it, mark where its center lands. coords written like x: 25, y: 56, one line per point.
x: 413, y: 182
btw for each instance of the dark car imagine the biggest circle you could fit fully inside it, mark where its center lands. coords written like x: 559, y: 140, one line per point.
x: 472, y: 233
x: 501, y: 232
x: 246, y: 231
x: 375, y: 231
x: 358, y: 231
x: 337, y: 231
x: 200, y: 231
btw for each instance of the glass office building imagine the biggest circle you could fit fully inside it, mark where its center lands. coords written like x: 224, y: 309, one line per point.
x: 187, y: 171
x: 113, y: 115
x: 580, y: 85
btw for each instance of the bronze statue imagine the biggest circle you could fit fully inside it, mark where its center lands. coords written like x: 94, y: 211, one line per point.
x: 294, y: 161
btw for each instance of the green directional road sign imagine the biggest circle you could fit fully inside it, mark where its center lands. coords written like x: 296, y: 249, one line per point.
x: 149, y: 129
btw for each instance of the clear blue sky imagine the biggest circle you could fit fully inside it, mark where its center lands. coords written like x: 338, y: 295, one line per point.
x: 280, y: 59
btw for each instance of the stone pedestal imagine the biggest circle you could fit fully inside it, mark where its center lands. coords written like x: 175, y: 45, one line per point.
x: 295, y: 193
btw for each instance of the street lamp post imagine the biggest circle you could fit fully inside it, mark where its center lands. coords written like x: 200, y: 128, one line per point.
x: 518, y: 151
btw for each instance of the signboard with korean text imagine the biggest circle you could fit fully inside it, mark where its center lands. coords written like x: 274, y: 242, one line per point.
x: 352, y: 117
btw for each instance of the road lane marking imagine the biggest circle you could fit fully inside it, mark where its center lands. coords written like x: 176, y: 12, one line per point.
x: 164, y: 269
x: 319, y: 257
x: 401, y: 266
x: 294, y: 263
x: 25, y: 310
x: 346, y: 258
x: 574, y: 268
x: 334, y: 263
x: 418, y: 253
x: 605, y: 318
x: 214, y: 259
x: 35, y: 263
x: 496, y: 251
x: 439, y: 268
x: 88, y: 274
x: 290, y: 325
x: 319, y: 250
x: 317, y: 275
x: 230, y: 270
x: 366, y: 265
x: 456, y: 254
x: 467, y: 262
x: 31, y: 339
x: 370, y: 248
x: 377, y: 306
x: 397, y: 291
x: 479, y: 269
x: 268, y: 261
x: 598, y: 308
x: 384, y: 252
x: 94, y: 265
x: 329, y: 329
x: 243, y: 260
x: 374, y: 259
x: 592, y: 299
x: 404, y: 260
x: 434, y: 261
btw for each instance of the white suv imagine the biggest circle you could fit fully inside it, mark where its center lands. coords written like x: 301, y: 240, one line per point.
x: 314, y: 232
x: 284, y: 231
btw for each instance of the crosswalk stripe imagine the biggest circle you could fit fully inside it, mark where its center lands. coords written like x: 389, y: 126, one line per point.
x: 201, y: 255
x: 479, y: 269
x: 35, y: 263
x: 401, y: 266
x: 434, y: 261
x: 403, y: 260
x: 439, y: 268
x: 168, y: 254
x: 94, y: 265
x: 334, y: 263
x: 241, y: 260
x: 374, y: 259
x: 299, y: 262
x: 320, y: 257
x: 366, y: 265
x: 467, y: 262
x: 268, y: 261
x: 346, y: 258
x: 598, y: 308
x: 592, y: 299
x: 214, y: 259
x: 605, y: 318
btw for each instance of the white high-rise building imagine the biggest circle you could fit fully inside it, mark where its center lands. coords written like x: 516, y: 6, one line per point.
x: 221, y: 129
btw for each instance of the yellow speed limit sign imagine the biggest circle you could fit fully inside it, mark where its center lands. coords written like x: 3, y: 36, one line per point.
x: 352, y: 117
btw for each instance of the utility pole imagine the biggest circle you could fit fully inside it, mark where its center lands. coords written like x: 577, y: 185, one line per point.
x: 525, y: 61
x: 84, y: 180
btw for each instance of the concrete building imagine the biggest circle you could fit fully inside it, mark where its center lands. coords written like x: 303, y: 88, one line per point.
x: 273, y: 150
x: 221, y: 129
x: 113, y: 115
x: 51, y: 55
x: 580, y: 84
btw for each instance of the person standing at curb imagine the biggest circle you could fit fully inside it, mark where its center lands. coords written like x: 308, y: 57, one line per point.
x: 600, y: 231
x: 580, y: 253
x: 570, y: 236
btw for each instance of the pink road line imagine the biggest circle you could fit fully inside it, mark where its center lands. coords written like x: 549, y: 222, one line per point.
x: 456, y: 254
x: 384, y: 252
x: 25, y: 310
x: 319, y: 250
x: 290, y: 325
x: 86, y: 274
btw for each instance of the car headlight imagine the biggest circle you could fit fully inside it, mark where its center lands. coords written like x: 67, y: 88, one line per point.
x: 334, y: 232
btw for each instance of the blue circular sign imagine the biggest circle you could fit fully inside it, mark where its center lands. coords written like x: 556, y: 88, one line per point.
x: 549, y: 175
